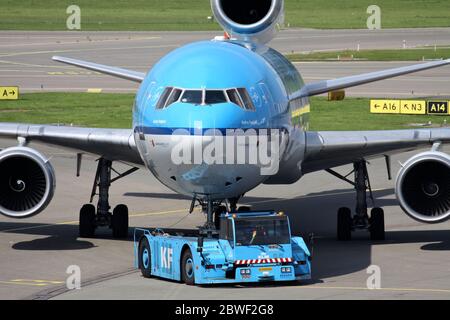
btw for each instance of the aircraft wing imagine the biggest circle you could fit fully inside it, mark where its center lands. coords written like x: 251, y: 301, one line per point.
x: 324, y: 86
x: 113, y: 71
x: 112, y: 144
x: 328, y: 149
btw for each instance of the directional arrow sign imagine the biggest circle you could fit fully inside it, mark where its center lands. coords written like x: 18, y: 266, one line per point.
x: 9, y: 93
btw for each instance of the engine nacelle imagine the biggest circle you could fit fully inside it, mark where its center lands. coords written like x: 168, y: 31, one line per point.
x: 249, y: 20
x: 423, y: 187
x: 27, y: 182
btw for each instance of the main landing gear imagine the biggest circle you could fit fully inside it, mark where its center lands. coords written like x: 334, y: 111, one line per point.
x: 92, y: 217
x: 346, y: 223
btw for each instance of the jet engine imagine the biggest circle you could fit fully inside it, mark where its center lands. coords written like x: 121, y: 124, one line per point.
x: 423, y: 187
x: 27, y: 182
x: 249, y: 20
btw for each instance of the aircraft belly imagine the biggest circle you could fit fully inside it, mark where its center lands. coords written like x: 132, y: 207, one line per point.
x: 164, y: 157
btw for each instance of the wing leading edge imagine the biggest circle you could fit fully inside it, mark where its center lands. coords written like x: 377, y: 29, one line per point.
x: 325, y: 86
x: 113, y: 71
x: 328, y: 149
x: 113, y: 144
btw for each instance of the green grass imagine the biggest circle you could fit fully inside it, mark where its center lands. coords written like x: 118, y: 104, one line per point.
x: 79, y: 109
x: 114, y: 111
x: 375, y: 55
x: 191, y: 14
x: 354, y: 114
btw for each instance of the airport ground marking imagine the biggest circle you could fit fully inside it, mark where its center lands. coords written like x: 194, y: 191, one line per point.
x: 74, y: 222
x: 311, y: 196
x: 94, y: 90
x: 32, y: 282
x: 81, y: 41
x: 28, y: 53
x: 156, y: 213
x: 380, y: 289
x: 38, y: 281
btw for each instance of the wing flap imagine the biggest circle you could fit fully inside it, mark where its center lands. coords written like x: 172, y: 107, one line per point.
x: 328, y: 149
x: 113, y: 71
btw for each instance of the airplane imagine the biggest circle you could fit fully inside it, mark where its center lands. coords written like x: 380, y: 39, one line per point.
x: 208, y: 93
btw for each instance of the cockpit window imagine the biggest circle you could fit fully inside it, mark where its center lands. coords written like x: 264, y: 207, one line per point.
x: 163, y: 98
x: 192, y: 96
x: 238, y: 96
x: 248, y: 103
x: 234, y: 97
x: 174, y: 97
x: 215, y: 96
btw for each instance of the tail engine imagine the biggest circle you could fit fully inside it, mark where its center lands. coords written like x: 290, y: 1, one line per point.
x: 423, y: 187
x: 27, y: 182
x: 249, y: 20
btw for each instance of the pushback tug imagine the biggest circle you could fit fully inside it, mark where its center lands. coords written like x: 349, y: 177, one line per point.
x: 248, y: 247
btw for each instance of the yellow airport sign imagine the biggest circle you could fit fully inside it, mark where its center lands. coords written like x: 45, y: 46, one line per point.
x: 438, y: 107
x: 9, y: 93
x: 385, y: 106
x: 413, y: 107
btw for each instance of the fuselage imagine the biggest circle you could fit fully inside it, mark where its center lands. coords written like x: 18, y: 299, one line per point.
x: 199, y: 101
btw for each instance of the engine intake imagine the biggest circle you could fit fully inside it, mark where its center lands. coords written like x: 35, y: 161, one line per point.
x: 27, y: 182
x: 249, y: 20
x: 423, y: 187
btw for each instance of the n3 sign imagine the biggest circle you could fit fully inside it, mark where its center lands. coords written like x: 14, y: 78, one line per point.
x: 437, y: 107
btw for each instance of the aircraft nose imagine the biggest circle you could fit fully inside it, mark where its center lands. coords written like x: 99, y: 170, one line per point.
x: 216, y: 116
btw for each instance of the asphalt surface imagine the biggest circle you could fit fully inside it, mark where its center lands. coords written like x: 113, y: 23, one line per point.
x: 35, y: 253
x: 25, y: 57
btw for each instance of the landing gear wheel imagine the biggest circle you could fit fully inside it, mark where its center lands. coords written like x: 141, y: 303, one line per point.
x: 187, y: 268
x: 344, y: 224
x: 119, y: 222
x: 145, y: 258
x: 87, y: 221
x: 244, y: 209
x: 377, y: 224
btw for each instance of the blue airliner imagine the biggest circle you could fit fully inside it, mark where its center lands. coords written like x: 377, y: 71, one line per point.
x: 232, y: 89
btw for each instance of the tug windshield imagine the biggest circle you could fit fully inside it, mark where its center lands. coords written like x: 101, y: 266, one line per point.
x: 262, y: 231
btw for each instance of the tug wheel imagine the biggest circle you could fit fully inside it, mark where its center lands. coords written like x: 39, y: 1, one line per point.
x: 187, y: 268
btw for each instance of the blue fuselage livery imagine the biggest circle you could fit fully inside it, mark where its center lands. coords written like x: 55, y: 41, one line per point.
x: 267, y: 76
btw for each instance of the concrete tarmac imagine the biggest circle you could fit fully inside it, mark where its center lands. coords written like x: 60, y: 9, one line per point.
x: 35, y: 253
x: 25, y: 57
